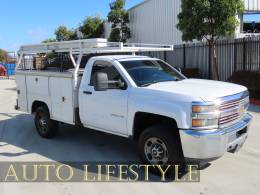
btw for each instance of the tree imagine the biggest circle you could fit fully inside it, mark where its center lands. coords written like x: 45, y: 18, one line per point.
x: 92, y: 27
x: 119, y: 18
x: 64, y: 34
x: 209, y: 20
x: 49, y: 40
x: 3, y: 55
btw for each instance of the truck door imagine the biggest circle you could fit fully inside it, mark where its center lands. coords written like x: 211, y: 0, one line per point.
x: 104, y: 110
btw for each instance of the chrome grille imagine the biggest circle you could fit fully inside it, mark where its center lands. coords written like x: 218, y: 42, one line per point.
x: 233, y: 109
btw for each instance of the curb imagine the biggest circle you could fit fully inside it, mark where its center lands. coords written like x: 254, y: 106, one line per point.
x: 255, y: 102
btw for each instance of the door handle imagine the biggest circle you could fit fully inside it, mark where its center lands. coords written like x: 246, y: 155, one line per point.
x: 87, y: 92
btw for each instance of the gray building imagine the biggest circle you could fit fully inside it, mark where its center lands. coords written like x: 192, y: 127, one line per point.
x: 154, y: 21
x: 252, y: 5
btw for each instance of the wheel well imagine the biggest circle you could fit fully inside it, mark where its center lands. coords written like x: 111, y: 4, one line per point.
x: 144, y: 120
x: 36, y: 104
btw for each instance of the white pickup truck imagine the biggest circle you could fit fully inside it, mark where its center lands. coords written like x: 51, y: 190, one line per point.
x: 170, y: 117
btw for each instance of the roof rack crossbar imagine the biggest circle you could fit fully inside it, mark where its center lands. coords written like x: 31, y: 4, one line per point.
x: 89, y: 46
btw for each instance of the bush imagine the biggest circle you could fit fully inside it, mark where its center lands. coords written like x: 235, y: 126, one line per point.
x: 250, y: 79
x: 191, y: 72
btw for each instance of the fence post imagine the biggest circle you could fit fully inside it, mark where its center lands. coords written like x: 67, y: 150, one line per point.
x: 258, y: 57
x: 244, y: 54
x: 235, y: 56
x: 184, y: 56
x: 210, y: 71
x: 165, y: 56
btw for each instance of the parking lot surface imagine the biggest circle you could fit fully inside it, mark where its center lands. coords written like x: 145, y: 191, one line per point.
x: 233, y: 174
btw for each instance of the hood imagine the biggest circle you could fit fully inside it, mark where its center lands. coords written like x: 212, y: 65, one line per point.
x: 207, y: 90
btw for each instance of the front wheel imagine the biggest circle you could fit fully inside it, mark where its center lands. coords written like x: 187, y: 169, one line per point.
x: 46, y: 127
x: 160, y: 145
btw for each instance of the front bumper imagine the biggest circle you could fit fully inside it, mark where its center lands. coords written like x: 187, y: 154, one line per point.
x: 208, y: 145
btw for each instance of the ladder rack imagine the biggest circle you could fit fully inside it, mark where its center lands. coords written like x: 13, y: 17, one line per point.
x: 77, y: 49
x: 91, y: 46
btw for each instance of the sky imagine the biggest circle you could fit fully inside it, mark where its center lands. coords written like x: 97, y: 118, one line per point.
x: 32, y: 21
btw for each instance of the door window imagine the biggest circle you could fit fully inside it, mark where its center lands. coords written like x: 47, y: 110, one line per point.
x: 109, y: 69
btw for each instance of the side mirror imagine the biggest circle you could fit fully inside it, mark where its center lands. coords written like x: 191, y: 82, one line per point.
x: 101, y: 81
x: 121, y: 84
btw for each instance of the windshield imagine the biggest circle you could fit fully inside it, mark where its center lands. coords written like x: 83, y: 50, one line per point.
x: 147, y: 72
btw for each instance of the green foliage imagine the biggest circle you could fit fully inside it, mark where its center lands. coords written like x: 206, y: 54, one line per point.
x: 3, y: 55
x: 64, y: 34
x: 115, y: 35
x: 208, y: 19
x: 49, y: 40
x: 119, y: 18
x: 92, y: 27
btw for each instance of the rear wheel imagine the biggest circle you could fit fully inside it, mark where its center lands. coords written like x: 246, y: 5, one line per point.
x: 46, y: 127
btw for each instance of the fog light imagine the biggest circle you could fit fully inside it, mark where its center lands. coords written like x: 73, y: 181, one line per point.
x: 205, y: 122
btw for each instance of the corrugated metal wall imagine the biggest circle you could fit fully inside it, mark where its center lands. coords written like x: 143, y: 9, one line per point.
x: 154, y: 21
x: 107, y: 29
x: 252, y: 5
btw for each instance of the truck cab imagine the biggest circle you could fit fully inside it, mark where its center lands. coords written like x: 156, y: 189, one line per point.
x: 170, y: 117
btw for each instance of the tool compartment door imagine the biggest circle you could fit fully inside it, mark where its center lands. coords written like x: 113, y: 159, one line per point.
x: 21, y: 92
x: 61, y: 91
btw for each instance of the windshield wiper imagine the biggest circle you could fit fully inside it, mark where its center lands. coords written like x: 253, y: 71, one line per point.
x: 148, y: 84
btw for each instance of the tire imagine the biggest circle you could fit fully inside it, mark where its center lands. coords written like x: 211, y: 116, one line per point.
x: 46, y: 127
x: 160, y: 145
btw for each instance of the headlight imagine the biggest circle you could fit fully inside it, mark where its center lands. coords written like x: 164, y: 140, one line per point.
x: 205, y: 116
x: 201, y: 109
